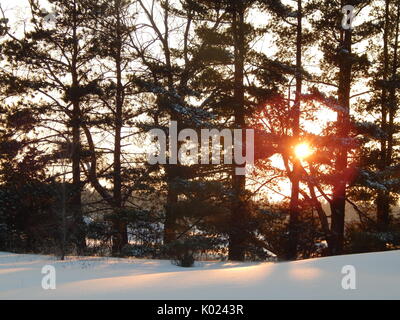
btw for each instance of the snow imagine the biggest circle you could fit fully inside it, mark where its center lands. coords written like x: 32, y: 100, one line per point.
x: 377, y: 277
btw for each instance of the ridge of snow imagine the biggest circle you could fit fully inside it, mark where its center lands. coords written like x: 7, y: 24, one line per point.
x: 377, y: 277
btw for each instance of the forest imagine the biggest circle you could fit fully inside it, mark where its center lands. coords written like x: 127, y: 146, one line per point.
x: 303, y: 93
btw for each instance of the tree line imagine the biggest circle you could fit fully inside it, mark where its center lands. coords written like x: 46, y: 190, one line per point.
x: 83, y: 82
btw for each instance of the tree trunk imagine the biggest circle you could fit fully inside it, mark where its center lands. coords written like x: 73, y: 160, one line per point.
x: 391, y: 108
x: 120, y: 236
x: 172, y: 200
x: 172, y: 169
x: 239, y: 214
x: 291, y: 253
x: 343, y: 129
x: 76, y: 198
x: 382, y: 198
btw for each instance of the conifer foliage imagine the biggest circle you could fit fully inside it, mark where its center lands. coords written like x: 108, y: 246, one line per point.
x: 125, y: 128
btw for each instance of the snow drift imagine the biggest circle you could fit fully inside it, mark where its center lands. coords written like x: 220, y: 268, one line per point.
x: 377, y: 277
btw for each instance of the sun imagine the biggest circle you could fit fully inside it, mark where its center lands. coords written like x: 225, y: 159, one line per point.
x: 303, y: 151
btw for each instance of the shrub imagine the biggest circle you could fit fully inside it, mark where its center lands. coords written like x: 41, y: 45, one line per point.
x: 140, y: 251
x: 363, y: 239
x: 183, y: 251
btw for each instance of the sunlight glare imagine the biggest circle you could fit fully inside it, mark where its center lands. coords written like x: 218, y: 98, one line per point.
x: 303, y: 151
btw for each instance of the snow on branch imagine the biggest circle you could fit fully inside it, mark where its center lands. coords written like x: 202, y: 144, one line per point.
x: 330, y: 102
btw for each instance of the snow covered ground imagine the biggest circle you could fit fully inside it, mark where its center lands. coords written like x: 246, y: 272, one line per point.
x: 377, y: 277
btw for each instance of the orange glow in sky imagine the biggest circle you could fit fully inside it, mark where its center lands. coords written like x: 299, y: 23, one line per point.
x: 303, y: 151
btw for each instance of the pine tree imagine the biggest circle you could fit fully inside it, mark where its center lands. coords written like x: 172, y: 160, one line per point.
x: 389, y: 109
x: 53, y: 53
x: 112, y: 25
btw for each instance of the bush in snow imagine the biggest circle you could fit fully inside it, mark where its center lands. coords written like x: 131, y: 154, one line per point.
x: 369, y: 238
x: 182, y: 252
